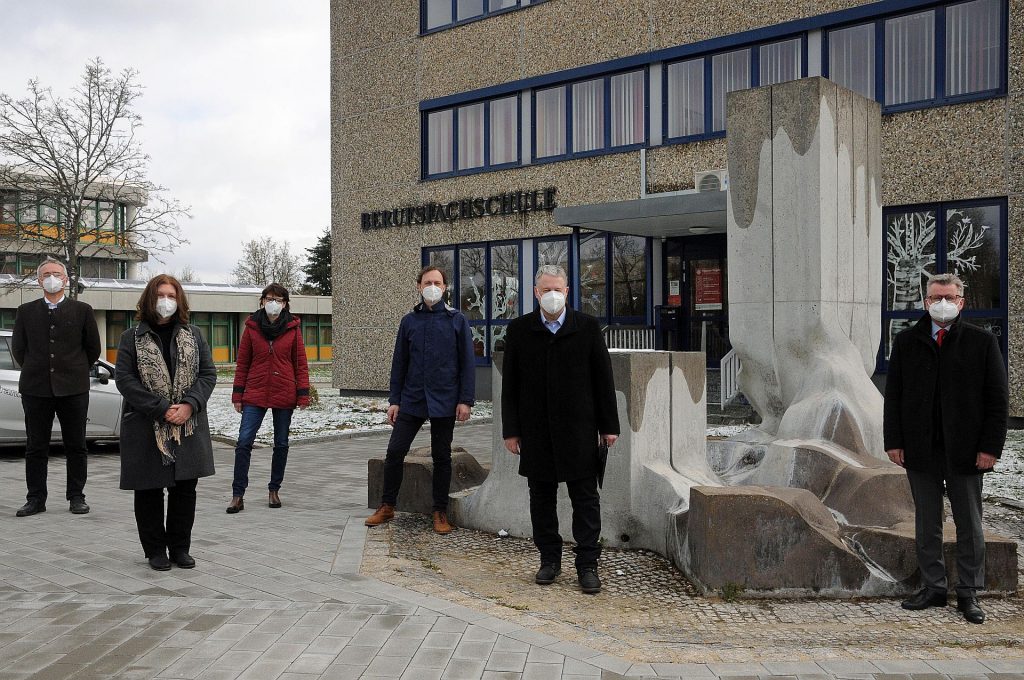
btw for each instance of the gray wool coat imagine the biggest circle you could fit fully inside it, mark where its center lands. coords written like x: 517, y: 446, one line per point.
x: 141, y: 467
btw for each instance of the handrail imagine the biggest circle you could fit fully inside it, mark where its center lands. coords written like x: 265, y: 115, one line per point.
x: 729, y: 374
x: 629, y: 337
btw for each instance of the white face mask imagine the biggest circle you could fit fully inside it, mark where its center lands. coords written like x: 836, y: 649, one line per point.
x: 943, y: 311
x: 553, y: 301
x: 432, y: 294
x: 166, y: 307
x: 53, y: 284
x: 273, y: 307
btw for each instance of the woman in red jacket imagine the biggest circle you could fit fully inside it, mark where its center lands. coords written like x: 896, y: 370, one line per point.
x: 271, y: 373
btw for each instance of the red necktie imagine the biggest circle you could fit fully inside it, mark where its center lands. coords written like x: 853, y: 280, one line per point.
x: 940, y: 336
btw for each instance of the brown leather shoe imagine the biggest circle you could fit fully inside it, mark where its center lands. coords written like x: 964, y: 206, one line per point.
x: 441, y: 525
x: 275, y: 500
x: 385, y: 513
x: 236, y: 505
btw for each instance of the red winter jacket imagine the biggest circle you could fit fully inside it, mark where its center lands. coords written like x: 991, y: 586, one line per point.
x: 271, y: 374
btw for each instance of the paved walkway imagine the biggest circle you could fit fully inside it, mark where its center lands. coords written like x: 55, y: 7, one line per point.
x: 277, y: 594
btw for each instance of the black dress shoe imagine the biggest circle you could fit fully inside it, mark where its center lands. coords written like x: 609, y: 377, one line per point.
x: 923, y: 599
x: 160, y: 563
x: 970, y: 608
x: 589, y: 582
x: 547, y: 574
x: 30, y: 508
x: 79, y: 506
x: 183, y: 560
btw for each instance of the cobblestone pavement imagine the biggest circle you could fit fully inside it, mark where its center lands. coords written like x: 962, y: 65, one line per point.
x: 278, y: 594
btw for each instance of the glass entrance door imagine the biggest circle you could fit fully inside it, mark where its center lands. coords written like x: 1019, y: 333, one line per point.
x: 696, y: 288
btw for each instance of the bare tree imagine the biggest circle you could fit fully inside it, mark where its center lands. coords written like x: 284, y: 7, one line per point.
x: 188, y: 275
x: 266, y: 261
x: 75, y: 177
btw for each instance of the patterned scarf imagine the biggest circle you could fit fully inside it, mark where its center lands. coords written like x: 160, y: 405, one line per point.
x: 157, y: 379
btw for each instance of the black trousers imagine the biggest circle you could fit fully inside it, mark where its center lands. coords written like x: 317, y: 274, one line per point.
x: 964, y: 493
x: 406, y: 427
x: 72, y: 413
x: 176, y: 536
x: 586, y: 520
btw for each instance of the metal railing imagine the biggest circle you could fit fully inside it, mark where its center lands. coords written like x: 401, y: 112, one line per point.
x: 629, y: 337
x: 729, y: 372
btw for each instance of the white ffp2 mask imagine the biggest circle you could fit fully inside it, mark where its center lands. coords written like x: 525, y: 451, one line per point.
x: 166, y: 307
x: 552, y: 301
x: 943, y: 311
x: 273, y: 308
x: 53, y: 284
x: 432, y: 294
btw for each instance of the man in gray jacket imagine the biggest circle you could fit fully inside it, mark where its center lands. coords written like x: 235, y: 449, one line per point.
x: 56, y: 342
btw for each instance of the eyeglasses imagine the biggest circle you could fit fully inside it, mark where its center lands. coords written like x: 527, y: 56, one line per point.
x: 947, y: 298
x: 273, y: 299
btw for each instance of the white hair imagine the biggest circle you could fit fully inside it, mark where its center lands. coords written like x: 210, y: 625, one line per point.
x: 50, y: 260
x: 550, y: 270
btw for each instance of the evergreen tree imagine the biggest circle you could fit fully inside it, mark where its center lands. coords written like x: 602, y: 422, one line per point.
x: 318, y: 265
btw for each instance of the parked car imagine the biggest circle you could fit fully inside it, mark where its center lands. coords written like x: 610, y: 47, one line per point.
x: 104, y: 401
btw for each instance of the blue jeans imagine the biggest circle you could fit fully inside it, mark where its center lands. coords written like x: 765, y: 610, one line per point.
x: 252, y: 418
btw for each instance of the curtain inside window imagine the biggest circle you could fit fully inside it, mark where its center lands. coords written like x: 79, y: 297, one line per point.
x: 550, y: 122
x: 471, y: 136
x: 973, y: 36
x: 851, y: 58
x: 627, y: 100
x: 686, y: 98
x: 504, y: 130
x: 439, y: 142
x: 910, y: 58
x: 780, y: 62
x: 588, y: 115
x: 470, y: 8
x: 729, y: 72
x: 502, y: 4
x: 439, y: 13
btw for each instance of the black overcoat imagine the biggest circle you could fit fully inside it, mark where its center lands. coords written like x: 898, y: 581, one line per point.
x: 557, y: 395
x: 56, y: 349
x: 973, y: 400
x: 141, y: 466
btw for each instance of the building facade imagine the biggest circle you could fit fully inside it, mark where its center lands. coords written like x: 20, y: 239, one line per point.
x: 490, y: 136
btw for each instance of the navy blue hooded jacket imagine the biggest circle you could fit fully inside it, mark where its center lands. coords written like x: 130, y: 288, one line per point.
x: 433, y: 367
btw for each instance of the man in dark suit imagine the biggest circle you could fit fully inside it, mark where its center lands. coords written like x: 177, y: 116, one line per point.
x: 557, y: 404
x: 946, y: 404
x: 56, y: 342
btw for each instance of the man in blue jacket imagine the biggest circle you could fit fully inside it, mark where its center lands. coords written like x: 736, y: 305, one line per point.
x: 432, y: 377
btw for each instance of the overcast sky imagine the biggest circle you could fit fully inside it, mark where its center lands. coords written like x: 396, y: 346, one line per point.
x: 235, y: 111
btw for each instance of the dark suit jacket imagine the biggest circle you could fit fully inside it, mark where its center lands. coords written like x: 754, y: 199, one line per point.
x: 967, y: 376
x: 56, y: 349
x: 557, y: 394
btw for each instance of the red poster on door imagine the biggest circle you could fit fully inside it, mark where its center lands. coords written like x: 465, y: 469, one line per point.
x: 708, y: 294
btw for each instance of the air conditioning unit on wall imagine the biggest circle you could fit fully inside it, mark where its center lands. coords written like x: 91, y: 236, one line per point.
x: 711, y: 180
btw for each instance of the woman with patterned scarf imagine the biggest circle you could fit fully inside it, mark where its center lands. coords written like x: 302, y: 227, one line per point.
x: 166, y: 375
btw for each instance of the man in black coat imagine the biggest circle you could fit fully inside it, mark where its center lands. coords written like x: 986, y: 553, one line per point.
x: 557, y: 404
x: 56, y: 342
x: 946, y: 404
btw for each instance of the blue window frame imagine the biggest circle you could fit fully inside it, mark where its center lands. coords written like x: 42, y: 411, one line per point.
x: 485, y: 283
x: 966, y: 238
x: 471, y: 138
x: 438, y: 15
x: 694, y: 89
x: 935, y: 56
x: 590, y: 117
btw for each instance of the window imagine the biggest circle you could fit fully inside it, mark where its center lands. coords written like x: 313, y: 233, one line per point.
x: 851, y: 58
x: 910, y: 58
x: 471, y: 136
x: 629, y: 278
x: 504, y: 128
x: 588, y: 115
x: 440, y: 141
x: 467, y: 9
x: 439, y: 14
x: 628, y: 107
x: 473, y: 294
x: 7, y: 317
x: 686, y: 98
x: 6, y: 358
x: 973, y: 47
x: 504, y: 302
x: 550, y: 123
x: 729, y: 72
x: 965, y: 238
x: 593, y: 276
x: 88, y: 215
x: 780, y: 62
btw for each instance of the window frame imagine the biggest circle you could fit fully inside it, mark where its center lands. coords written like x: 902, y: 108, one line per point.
x: 606, y: 147
x: 939, y: 72
x: 487, y: 13
x: 487, y: 165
